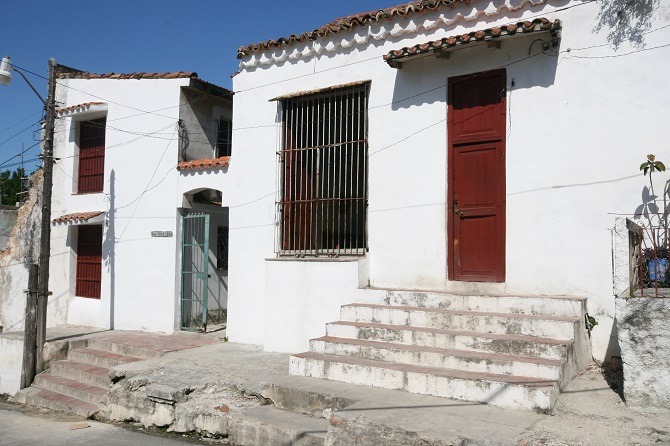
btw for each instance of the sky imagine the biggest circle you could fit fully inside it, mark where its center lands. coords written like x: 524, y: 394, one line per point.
x: 124, y: 36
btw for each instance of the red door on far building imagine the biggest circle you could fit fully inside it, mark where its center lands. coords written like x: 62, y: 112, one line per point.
x: 476, y: 177
x: 89, y: 261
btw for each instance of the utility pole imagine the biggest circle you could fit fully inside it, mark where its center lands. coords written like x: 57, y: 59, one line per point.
x: 45, y: 237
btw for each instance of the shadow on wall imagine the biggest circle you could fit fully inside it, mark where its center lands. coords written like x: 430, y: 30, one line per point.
x: 413, y: 87
x: 626, y: 20
x: 108, y: 245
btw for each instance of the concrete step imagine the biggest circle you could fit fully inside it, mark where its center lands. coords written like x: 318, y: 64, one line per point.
x: 100, y: 358
x: 266, y: 425
x: 522, y: 345
x: 562, y: 306
x: 509, y: 391
x: 494, y: 363
x: 85, y: 392
x: 124, y: 349
x: 84, y: 373
x: 486, y: 322
x: 37, y: 396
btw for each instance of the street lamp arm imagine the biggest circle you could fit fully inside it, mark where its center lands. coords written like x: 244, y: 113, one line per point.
x: 6, y: 76
x: 30, y: 85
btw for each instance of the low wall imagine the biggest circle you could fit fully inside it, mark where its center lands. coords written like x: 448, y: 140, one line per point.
x: 11, y: 351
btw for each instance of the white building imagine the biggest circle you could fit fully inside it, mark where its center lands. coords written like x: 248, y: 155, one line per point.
x: 471, y: 147
x: 133, y: 195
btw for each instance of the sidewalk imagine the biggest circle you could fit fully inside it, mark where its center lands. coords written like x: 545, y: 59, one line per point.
x: 236, y: 391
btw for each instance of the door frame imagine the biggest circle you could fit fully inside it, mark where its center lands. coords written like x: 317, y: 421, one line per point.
x: 451, y: 271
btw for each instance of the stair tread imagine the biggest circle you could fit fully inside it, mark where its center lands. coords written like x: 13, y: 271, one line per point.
x: 66, y: 400
x: 467, y: 312
x: 444, y: 351
x: 449, y: 373
x: 89, y: 368
x: 509, y: 337
x: 90, y: 388
x: 107, y: 354
x: 465, y: 294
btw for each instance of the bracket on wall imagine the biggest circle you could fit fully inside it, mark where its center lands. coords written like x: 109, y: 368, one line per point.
x: 442, y: 53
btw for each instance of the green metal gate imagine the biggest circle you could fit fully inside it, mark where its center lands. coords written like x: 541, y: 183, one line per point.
x: 194, y: 271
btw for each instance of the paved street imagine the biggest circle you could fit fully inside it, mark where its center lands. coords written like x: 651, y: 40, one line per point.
x: 21, y: 426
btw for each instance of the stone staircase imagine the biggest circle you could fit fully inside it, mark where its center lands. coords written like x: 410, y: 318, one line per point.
x: 508, y: 351
x: 78, y: 383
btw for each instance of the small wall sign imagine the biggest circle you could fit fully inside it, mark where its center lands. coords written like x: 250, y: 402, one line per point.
x: 161, y: 233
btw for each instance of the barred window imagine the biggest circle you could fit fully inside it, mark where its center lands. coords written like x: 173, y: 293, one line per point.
x: 222, y: 247
x: 224, y: 140
x: 323, y: 173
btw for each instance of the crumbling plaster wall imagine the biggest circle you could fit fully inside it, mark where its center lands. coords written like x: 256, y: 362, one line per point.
x: 23, y: 248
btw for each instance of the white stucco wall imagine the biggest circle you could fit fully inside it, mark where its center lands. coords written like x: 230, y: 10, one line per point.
x: 579, y: 125
x: 138, y: 279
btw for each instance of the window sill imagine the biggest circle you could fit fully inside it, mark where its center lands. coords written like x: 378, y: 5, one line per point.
x: 87, y: 193
x: 347, y: 258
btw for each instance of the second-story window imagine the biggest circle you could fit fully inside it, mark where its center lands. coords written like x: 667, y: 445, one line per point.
x: 91, y: 155
x: 224, y: 138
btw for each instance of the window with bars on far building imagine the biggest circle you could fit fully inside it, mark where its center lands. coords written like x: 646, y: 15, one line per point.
x: 323, y: 173
x: 222, y: 248
x: 224, y: 140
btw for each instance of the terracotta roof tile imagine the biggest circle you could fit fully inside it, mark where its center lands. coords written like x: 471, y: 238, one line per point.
x: 77, y: 216
x: 65, y: 72
x: 540, y: 24
x: 352, y: 21
x: 208, y: 163
x: 78, y: 107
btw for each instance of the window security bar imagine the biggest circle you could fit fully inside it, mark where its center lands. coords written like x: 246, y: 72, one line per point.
x: 323, y: 174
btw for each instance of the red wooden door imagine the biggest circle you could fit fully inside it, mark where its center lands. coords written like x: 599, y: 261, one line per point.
x: 91, y: 155
x: 476, y: 185
x: 89, y: 261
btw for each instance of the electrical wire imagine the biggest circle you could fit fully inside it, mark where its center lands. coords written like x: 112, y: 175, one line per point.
x: 17, y: 134
x: 20, y: 153
x: 20, y: 122
x: 146, y: 189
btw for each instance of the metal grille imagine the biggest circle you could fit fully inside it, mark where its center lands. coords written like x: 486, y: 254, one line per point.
x: 222, y: 247
x: 224, y: 140
x: 323, y: 173
x: 195, y: 271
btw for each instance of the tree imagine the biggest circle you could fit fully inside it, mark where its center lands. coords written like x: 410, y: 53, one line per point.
x: 11, y: 183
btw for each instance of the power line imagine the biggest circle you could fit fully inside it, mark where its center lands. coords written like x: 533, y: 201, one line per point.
x: 20, y: 122
x: 611, y: 56
x: 18, y: 163
x: 378, y: 57
x: 17, y: 134
x: 91, y: 94
x: 139, y: 199
x: 20, y: 153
